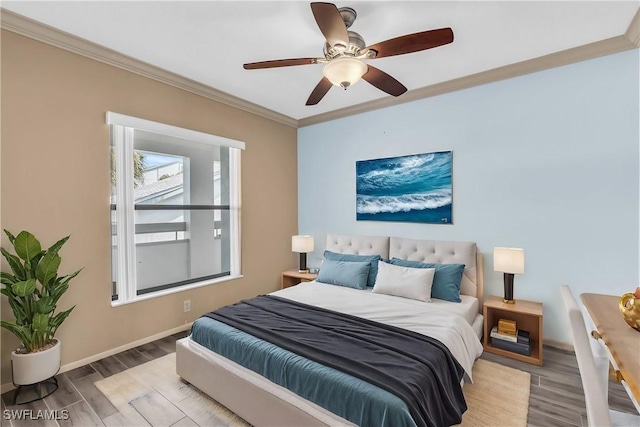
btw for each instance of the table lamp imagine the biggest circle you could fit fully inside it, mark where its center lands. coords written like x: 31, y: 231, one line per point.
x: 302, y: 245
x: 510, y: 261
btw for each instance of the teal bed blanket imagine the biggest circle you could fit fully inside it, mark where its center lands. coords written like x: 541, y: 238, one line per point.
x: 349, y: 397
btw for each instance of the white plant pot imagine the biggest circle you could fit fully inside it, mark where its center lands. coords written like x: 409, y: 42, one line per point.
x: 32, y: 368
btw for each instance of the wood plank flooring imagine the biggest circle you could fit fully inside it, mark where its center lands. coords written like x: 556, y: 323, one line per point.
x: 556, y: 392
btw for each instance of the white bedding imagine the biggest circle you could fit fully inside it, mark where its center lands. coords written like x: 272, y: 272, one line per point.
x: 468, y: 308
x: 428, y: 318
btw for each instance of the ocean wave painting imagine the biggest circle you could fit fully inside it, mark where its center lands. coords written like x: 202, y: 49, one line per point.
x: 414, y: 188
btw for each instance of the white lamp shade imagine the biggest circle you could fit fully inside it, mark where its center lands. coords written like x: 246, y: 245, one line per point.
x: 508, y: 260
x: 302, y: 244
x: 344, y: 71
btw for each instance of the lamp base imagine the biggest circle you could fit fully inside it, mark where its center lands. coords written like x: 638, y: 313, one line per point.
x: 508, y: 289
x: 302, y: 265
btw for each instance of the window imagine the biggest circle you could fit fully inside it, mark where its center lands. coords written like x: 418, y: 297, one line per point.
x: 175, y: 208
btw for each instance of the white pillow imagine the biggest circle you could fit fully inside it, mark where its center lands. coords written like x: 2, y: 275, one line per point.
x: 414, y: 283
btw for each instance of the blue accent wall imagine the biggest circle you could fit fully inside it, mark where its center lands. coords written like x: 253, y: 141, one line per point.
x: 548, y: 162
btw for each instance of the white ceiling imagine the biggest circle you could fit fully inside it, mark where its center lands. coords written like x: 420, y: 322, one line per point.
x: 208, y: 41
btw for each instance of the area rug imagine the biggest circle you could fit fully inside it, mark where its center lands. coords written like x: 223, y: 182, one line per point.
x: 499, y: 396
x: 152, y: 394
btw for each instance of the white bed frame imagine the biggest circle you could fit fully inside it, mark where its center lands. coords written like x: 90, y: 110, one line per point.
x: 263, y: 403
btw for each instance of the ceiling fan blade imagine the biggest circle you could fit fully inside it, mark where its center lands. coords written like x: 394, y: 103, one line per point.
x: 384, y: 81
x: 280, y: 63
x: 331, y: 24
x: 319, y: 92
x: 413, y: 42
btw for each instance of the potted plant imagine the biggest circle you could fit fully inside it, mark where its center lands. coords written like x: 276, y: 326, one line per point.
x: 33, y: 289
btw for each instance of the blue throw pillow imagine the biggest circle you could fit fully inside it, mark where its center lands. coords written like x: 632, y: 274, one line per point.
x: 446, y: 282
x: 371, y: 259
x: 344, y: 273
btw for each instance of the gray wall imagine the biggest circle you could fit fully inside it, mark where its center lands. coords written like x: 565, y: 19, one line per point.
x: 547, y: 162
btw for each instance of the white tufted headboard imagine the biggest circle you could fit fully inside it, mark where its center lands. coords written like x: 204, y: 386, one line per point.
x: 359, y: 245
x: 433, y: 251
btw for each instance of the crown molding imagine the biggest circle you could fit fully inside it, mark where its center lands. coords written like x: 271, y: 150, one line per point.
x: 630, y: 40
x: 633, y: 32
x: 44, y: 33
x: 38, y: 31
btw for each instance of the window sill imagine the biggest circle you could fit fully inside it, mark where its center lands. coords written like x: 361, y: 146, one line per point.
x: 175, y: 290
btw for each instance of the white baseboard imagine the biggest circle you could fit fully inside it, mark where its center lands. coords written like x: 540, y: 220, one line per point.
x: 78, y: 363
x: 558, y: 344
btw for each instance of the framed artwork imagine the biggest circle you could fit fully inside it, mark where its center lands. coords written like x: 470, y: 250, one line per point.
x: 414, y: 188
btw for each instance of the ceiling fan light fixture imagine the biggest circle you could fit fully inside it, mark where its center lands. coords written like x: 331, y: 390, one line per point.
x: 344, y: 51
x: 344, y: 71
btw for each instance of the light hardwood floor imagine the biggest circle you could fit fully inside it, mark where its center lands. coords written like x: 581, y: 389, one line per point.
x: 556, y: 392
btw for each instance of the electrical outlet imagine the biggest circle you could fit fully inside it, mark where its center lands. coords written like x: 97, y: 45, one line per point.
x: 187, y: 305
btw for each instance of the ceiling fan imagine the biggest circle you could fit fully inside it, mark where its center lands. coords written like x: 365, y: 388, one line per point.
x: 344, y: 51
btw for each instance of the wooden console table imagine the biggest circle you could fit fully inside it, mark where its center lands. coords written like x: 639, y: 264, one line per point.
x: 622, y: 341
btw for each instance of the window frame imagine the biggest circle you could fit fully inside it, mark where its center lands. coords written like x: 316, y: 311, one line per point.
x: 122, y: 134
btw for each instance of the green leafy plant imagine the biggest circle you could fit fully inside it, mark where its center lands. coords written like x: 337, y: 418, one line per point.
x: 139, y: 166
x: 33, y: 289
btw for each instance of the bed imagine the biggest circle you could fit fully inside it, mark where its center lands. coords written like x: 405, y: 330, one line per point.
x: 261, y: 401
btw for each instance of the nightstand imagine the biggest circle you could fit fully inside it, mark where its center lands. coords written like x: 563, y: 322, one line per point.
x: 293, y: 277
x: 527, y: 315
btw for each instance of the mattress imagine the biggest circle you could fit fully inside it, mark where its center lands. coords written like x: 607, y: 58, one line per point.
x: 450, y: 323
x: 232, y: 384
x: 467, y: 309
x: 357, y: 400
x: 340, y: 393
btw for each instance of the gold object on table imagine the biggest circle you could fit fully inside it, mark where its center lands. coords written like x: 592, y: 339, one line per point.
x: 630, y: 309
x: 507, y: 327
